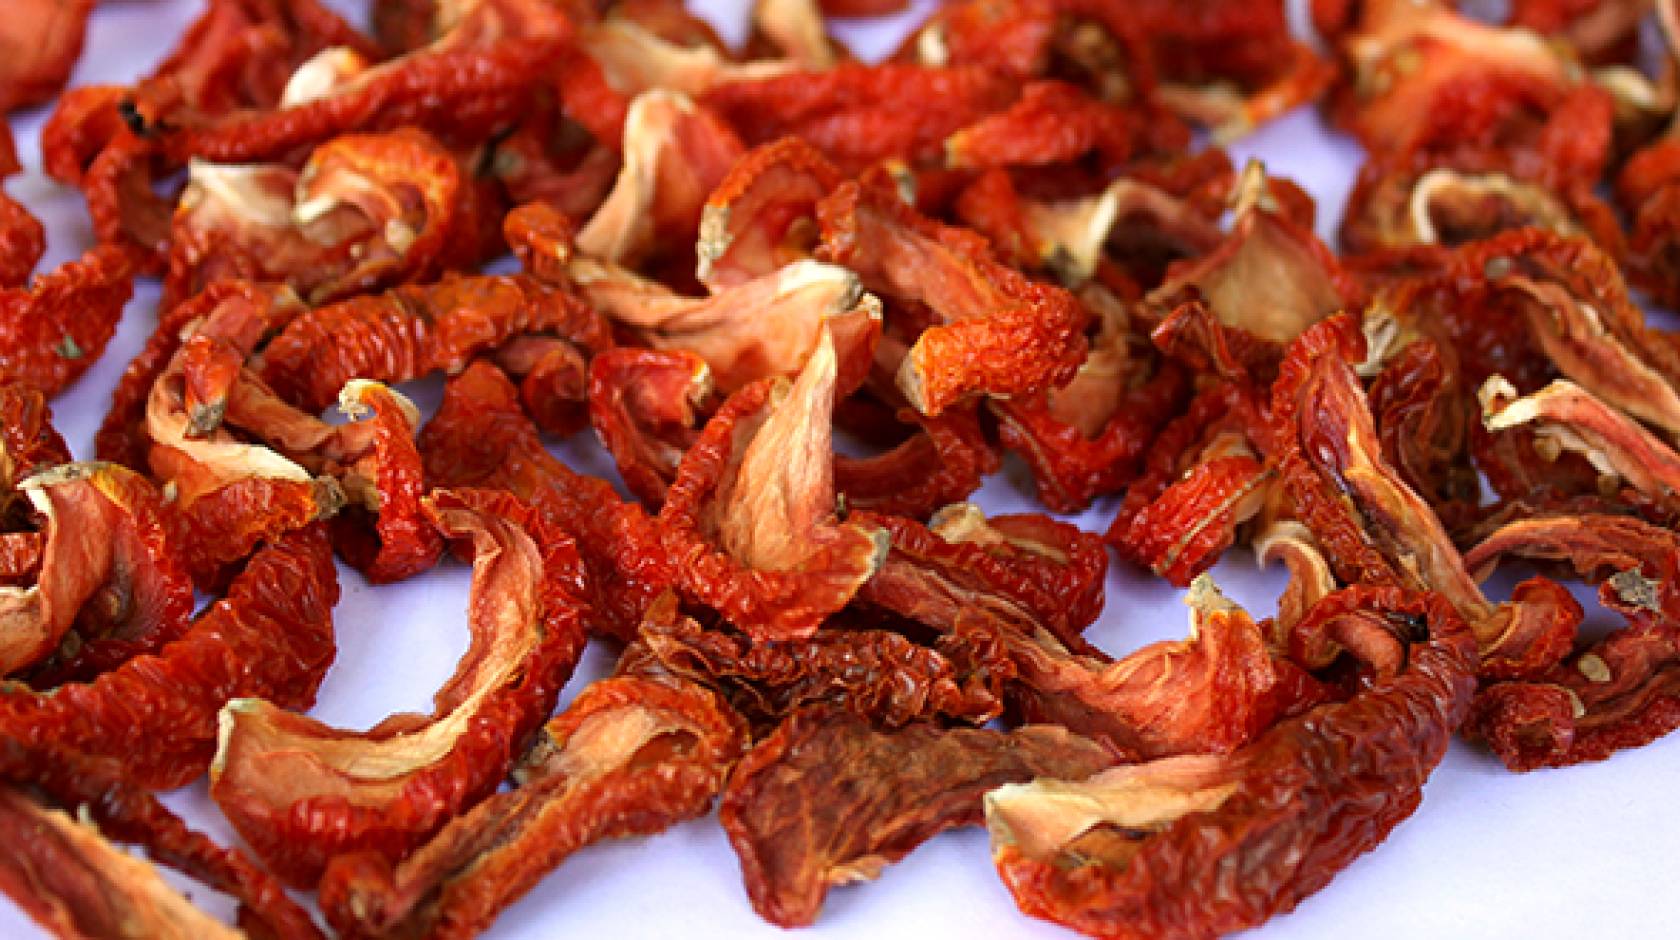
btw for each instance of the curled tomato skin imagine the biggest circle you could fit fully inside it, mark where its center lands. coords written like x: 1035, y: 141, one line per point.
x: 408, y: 332
x: 1194, y: 521
x: 1254, y: 832
x: 942, y: 463
x: 398, y: 541
x: 628, y: 757
x: 271, y: 636
x: 644, y: 406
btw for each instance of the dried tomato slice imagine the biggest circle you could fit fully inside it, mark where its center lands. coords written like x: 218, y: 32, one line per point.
x: 1026, y: 569
x: 750, y: 516
x: 1209, y: 694
x: 52, y: 331
x: 827, y: 800
x: 408, y: 332
x: 41, y: 39
x: 878, y: 675
x: 942, y: 463
x: 271, y: 636
x: 627, y: 757
x: 645, y: 406
x: 301, y: 792
x: 675, y: 153
x: 996, y: 332
x: 480, y: 437
x: 383, y: 479
x: 366, y: 211
x: 761, y: 216
x: 1204, y: 845
x: 109, y: 586
x: 1620, y: 692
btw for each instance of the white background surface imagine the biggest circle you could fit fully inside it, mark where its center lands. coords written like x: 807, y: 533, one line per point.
x: 1586, y: 851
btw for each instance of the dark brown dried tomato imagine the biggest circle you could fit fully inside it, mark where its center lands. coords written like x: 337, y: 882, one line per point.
x: 1204, y: 845
x: 301, y: 792
x: 627, y: 757
x: 827, y: 800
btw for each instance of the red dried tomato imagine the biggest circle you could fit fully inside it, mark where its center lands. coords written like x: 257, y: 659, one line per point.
x: 43, y: 40
x: 826, y: 799
x: 996, y: 332
x: 1204, y: 845
x: 53, y: 330
x: 941, y: 463
x: 481, y: 438
x: 1025, y: 569
x: 645, y: 406
x: 271, y: 636
x: 880, y: 676
x: 109, y: 587
x: 408, y: 332
x: 627, y: 757
x: 750, y: 519
x: 301, y: 792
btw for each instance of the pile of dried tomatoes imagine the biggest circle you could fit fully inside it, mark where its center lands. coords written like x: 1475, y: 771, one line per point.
x: 999, y: 241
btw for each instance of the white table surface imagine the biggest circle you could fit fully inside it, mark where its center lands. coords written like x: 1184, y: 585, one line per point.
x: 1582, y: 852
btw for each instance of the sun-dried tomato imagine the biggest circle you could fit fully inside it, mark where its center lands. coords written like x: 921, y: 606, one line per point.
x: 750, y: 519
x: 1374, y: 529
x: 995, y: 331
x: 646, y: 407
x: 1647, y: 191
x: 827, y: 800
x: 675, y: 153
x: 1204, y: 475
x: 408, y: 332
x: 880, y: 676
x: 42, y: 40
x: 761, y: 216
x: 366, y: 211
x: 1026, y: 569
x: 102, y: 797
x: 1205, y: 845
x: 943, y: 462
x: 301, y: 792
x: 28, y: 442
x: 1620, y: 692
x: 1009, y: 37
x: 52, y: 331
x: 22, y: 238
x: 752, y: 330
x: 796, y: 30
x: 383, y: 479
x: 469, y: 82
x: 627, y: 757
x: 1426, y: 71
x: 1270, y: 277
x: 109, y: 587
x: 1055, y: 122
x: 480, y: 437
x: 858, y: 114
x: 1423, y: 420
x: 1579, y: 313
x: 270, y: 637
x: 1566, y: 418
x: 1211, y: 693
